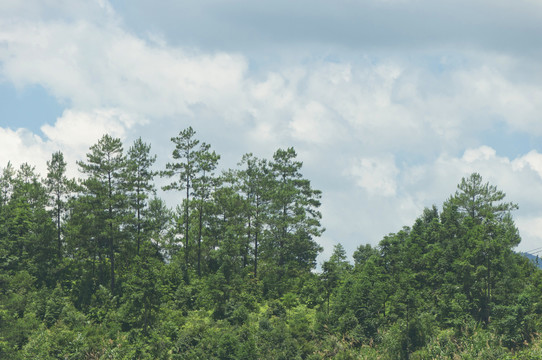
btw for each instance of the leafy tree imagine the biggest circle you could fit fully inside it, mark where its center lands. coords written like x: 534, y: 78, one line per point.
x: 6, y: 184
x: 334, y: 270
x: 6, y: 192
x: 158, y: 225
x: 141, y: 295
x: 229, y: 253
x: 491, y: 232
x: 28, y: 241
x: 364, y: 253
x: 448, y: 286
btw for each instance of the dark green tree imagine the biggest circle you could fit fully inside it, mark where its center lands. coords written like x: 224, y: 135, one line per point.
x: 229, y: 253
x: 203, y: 183
x: 59, y: 188
x: 139, y: 183
x: 28, y: 230
x: 364, y: 253
x: 334, y: 270
x: 254, y: 185
x: 158, y: 225
x: 105, y: 169
x: 183, y: 171
x: 6, y: 192
x: 481, y: 201
x: 491, y: 233
x: 293, y: 220
x: 6, y: 184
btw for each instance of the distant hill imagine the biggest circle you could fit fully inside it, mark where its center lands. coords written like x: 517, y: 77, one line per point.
x: 535, y: 259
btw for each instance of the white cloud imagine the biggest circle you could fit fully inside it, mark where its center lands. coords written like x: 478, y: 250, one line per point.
x: 532, y: 160
x: 95, y: 65
x: 519, y: 178
x: 378, y: 108
x: 376, y: 175
x: 385, y: 104
x: 314, y: 123
x: 73, y: 133
x: 530, y: 229
x: 77, y: 130
x: 357, y: 216
x: 21, y: 146
x: 481, y: 153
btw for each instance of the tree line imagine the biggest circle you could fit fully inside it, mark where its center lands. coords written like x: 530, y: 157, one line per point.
x: 99, y: 267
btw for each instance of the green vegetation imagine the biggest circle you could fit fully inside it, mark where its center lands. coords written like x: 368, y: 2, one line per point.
x: 100, y: 268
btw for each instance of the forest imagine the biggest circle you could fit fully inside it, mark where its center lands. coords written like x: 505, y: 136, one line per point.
x: 100, y: 267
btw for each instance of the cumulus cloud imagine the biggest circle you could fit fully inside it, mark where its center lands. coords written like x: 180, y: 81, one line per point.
x: 518, y: 177
x: 72, y: 133
x: 314, y: 123
x: 389, y: 195
x: 21, y: 146
x: 387, y: 104
x: 99, y: 65
x: 412, y: 124
x: 376, y: 175
x: 76, y: 129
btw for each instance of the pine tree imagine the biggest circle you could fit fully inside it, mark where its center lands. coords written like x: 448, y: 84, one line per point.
x: 139, y: 183
x: 183, y: 172
x: 203, y: 183
x: 105, y: 168
x: 59, y: 187
x: 254, y: 184
x: 491, y: 234
x: 293, y: 219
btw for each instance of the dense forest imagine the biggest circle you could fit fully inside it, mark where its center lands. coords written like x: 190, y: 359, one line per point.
x: 99, y: 267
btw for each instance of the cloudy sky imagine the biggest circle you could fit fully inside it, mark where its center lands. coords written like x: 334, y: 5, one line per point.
x: 389, y: 103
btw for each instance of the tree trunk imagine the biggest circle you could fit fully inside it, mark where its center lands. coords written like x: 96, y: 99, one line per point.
x: 200, y: 228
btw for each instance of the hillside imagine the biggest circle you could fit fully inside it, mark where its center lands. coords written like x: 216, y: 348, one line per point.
x: 100, y: 268
x: 534, y: 258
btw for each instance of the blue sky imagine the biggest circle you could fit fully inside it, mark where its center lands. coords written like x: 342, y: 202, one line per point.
x: 389, y: 103
x: 27, y: 107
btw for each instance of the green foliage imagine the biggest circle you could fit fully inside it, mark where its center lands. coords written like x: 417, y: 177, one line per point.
x: 101, y: 268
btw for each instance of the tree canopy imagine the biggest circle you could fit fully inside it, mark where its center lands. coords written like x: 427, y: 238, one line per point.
x: 100, y: 267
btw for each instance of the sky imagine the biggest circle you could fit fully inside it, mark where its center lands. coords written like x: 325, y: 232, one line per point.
x: 388, y: 103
